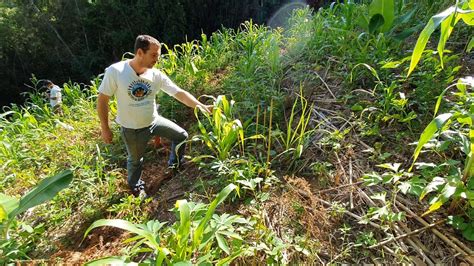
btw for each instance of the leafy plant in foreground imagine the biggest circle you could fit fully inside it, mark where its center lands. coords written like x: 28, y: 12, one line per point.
x: 10, y: 207
x: 458, y: 125
x: 191, y: 239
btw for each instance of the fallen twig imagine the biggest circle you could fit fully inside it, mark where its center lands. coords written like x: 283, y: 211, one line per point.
x: 325, y: 84
x: 414, y: 232
x: 438, y: 233
x: 351, y: 198
x: 340, y: 165
x: 419, y: 247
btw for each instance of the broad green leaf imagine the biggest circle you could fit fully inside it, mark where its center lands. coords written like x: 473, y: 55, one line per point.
x: 440, y: 98
x: 391, y: 166
x: 449, y: 190
x: 468, y: 233
x: 8, y: 203
x: 372, y: 179
x: 392, y: 64
x: 433, y: 186
x: 376, y: 21
x: 372, y: 70
x: 386, y: 9
x: 228, y: 260
x: 110, y: 261
x: 446, y: 29
x: 183, y: 263
x: 428, y: 133
x: 3, y: 213
x: 413, y: 186
x: 407, y: 32
x: 222, y: 243
x: 44, y: 191
x: 467, y: 16
x: 434, y: 207
x: 379, y: 196
x: 184, y: 228
x: 118, y: 223
x: 420, y: 45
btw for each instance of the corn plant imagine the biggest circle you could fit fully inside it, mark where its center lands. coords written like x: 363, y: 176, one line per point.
x: 462, y: 10
x: 11, y: 207
x: 225, y: 132
x: 198, y: 236
x: 460, y: 120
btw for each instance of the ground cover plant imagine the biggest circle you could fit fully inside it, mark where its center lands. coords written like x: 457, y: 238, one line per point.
x: 323, y: 144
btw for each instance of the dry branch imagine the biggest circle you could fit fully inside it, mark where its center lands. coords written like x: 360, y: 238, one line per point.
x: 466, y: 254
x: 414, y: 232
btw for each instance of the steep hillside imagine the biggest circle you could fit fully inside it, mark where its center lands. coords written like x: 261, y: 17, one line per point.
x: 306, y: 158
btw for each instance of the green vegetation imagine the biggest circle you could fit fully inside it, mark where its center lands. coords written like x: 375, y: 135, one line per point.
x: 317, y: 127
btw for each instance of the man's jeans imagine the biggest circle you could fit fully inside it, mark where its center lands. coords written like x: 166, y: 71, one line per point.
x: 136, y: 141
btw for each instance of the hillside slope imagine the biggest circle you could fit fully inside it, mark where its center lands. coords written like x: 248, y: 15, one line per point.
x: 310, y: 113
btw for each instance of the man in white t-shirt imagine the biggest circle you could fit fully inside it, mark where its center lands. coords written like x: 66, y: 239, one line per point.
x: 135, y: 84
x: 54, y: 95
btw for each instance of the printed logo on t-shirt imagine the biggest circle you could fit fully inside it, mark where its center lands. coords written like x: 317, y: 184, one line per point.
x: 139, y: 90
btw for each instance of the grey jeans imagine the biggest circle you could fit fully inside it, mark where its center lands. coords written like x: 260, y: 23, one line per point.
x: 136, y: 141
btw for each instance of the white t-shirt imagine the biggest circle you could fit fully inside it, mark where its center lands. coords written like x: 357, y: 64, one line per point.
x: 136, y: 105
x: 55, y: 92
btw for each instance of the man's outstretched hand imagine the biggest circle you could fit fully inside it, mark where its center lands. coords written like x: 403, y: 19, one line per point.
x: 206, y: 108
x: 106, y: 135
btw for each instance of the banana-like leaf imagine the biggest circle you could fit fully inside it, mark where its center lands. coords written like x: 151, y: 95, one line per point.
x: 376, y: 21
x: 428, y: 133
x: 46, y: 190
x: 7, y: 204
x: 3, y: 213
x: 385, y: 9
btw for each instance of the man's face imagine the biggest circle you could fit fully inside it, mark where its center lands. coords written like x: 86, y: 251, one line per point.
x: 150, y: 57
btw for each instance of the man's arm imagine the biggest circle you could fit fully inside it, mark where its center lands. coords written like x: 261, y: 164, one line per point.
x: 103, y: 112
x: 189, y: 100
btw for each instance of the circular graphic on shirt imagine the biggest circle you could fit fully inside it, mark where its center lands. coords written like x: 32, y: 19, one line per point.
x: 139, y: 90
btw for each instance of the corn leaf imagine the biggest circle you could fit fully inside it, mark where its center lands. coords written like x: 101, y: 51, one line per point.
x: 122, y: 224
x: 447, y: 27
x: 470, y: 45
x: 198, y: 234
x: 46, y: 190
x: 428, y: 133
x: 184, y: 227
x: 433, y: 23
